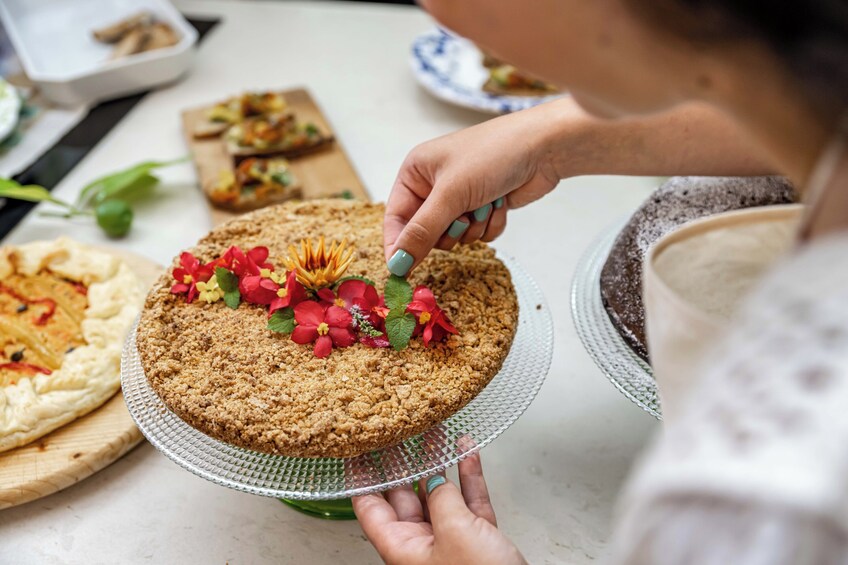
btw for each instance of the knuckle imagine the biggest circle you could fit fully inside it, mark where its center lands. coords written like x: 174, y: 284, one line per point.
x: 416, y: 235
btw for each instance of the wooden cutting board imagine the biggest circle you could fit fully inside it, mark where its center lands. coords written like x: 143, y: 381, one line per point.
x: 79, y: 449
x: 324, y: 173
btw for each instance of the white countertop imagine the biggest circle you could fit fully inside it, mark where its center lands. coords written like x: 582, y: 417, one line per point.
x: 554, y: 475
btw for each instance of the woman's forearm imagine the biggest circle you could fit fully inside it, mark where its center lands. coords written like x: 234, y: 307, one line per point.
x: 689, y: 140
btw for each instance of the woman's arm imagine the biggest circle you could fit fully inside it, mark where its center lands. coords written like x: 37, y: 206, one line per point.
x: 693, y: 139
x: 458, y: 188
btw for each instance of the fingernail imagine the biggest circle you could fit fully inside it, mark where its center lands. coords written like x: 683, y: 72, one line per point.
x: 400, y: 263
x: 435, y: 481
x: 482, y: 212
x: 457, y: 228
x: 499, y: 203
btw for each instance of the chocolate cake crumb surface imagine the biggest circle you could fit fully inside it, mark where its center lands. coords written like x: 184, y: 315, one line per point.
x: 224, y: 373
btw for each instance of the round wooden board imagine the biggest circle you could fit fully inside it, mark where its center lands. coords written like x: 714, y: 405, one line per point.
x: 79, y: 449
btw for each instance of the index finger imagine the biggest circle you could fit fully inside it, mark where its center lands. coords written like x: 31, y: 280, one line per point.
x: 421, y: 232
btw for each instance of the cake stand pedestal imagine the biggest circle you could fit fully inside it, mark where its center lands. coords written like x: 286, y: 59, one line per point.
x: 341, y: 509
x: 323, y: 486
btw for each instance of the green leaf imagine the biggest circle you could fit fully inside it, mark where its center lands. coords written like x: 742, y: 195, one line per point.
x: 282, y: 321
x: 282, y: 177
x: 30, y: 193
x: 398, y: 293
x: 366, y: 280
x: 136, y: 190
x: 232, y: 299
x: 399, y: 328
x: 228, y: 282
x: 115, y: 183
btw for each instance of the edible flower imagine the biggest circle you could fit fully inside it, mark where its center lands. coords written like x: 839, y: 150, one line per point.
x: 250, y: 263
x: 433, y: 323
x: 190, y: 272
x: 327, y: 327
x: 318, y: 267
x: 209, y: 291
x: 291, y: 293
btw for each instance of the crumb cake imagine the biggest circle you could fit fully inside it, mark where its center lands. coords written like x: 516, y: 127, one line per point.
x: 679, y: 200
x: 225, y: 373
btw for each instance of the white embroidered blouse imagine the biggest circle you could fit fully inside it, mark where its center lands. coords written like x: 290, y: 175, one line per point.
x: 756, y: 471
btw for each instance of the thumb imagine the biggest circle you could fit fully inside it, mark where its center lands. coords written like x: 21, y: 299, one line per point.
x: 446, y: 505
x: 417, y: 237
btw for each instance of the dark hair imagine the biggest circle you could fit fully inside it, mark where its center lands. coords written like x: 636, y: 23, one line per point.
x: 811, y: 37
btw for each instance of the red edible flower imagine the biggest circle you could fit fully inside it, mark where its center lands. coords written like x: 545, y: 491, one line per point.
x: 189, y: 273
x: 256, y: 289
x: 241, y: 263
x: 356, y: 293
x: 433, y: 321
x: 292, y: 294
x: 327, y: 327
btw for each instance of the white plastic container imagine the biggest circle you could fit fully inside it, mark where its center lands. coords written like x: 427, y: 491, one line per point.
x: 53, y: 40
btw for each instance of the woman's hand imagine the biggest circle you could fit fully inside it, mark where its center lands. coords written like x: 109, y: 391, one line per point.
x: 522, y: 156
x: 458, y: 188
x: 439, y: 525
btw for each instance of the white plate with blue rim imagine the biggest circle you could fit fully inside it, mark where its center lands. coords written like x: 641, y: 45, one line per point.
x: 10, y: 109
x: 451, y: 68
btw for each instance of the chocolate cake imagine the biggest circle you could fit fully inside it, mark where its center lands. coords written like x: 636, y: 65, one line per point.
x: 679, y: 200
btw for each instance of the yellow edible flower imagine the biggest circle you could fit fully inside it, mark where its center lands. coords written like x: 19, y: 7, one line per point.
x: 210, y: 291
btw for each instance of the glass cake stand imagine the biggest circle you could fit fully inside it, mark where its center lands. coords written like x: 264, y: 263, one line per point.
x: 317, y: 486
x: 621, y: 365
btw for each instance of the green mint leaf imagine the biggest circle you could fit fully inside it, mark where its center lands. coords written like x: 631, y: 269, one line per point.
x: 399, y: 328
x: 354, y: 278
x: 398, y: 293
x: 232, y: 299
x: 282, y: 321
x: 227, y: 280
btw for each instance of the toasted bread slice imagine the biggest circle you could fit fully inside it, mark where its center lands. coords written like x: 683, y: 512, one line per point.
x: 274, y: 135
x: 256, y: 182
x: 116, y: 32
x: 133, y: 42
x: 493, y: 87
x: 161, y: 35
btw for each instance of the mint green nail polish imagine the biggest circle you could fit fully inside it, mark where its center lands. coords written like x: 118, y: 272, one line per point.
x: 499, y: 203
x: 457, y: 228
x: 481, y: 213
x: 400, y: 263
x: 435, y: 481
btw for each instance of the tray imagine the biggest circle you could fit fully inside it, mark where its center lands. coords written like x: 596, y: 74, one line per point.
x: 626, y: 371
x: 53, y: 41
x: 476, y: 425
x: 324, y: 173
